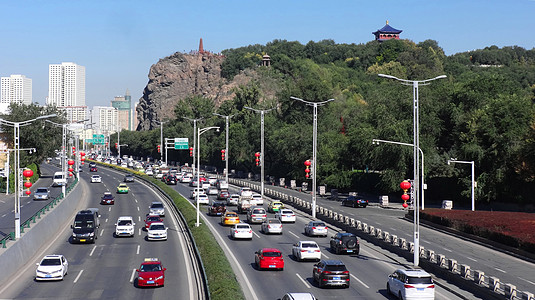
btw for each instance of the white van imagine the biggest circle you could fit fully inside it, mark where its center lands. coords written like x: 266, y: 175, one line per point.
x: 59, y: 179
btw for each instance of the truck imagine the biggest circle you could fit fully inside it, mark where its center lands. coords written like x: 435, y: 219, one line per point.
x: 244, y: 203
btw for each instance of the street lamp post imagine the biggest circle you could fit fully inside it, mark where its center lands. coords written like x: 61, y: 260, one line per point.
x: 16, y: 163
x: 262, y: 112
x: 161, y: 142
x: 194, y: 140
x: 454, y: 160
x: 226, y: 142
x: 199, y: 132
x: 377, y: 141
x: 8, y: 151
x: 314, y: 146
x: 416, y: 145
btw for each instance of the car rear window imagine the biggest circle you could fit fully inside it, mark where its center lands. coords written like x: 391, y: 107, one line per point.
x: 157, y: 205
x: 242, y: 227
x: 259, y: 211
x: 309, y: 245
x: 41, y: 190
x: 157, y: 227
x: 335, y: 267
x: 422, y: 280
x: 272, y: 254
x: 318, y: 224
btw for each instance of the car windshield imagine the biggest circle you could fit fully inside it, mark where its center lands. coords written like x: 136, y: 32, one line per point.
x: 416, y: 280
x: 157, y: 227
x: 218, y: 204
x: 83, y: 224
x: 41, y: 190
x: 151, y: 268
x: 259, y: 211
x: 51, y: 262
x: 272, y: 254
x: 124, y: 223
x: 157, y: 205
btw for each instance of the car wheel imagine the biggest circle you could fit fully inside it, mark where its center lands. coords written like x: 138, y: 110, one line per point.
x: 388, y: 292
x: 337, y: 250
x: 400, y: 296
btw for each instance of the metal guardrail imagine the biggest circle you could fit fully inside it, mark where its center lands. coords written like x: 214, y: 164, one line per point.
x: 478, y: 278
x: 33, y: 219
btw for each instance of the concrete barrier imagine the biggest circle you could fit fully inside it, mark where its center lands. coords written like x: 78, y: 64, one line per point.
x: 510, y: 291
x: 465, y: 271
x: 442, y: 261
x: 452, y: 265
x: 527, y: 296
x: 494, y: 283
x: 479, y: 277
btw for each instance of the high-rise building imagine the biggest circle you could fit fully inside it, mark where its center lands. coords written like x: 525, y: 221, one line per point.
x: 105, y: 119
x: 124, y: 106
x: 15, y: 89
x: 66, y: 88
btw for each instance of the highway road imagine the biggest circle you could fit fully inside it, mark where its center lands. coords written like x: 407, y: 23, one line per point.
x: 106, y: 269
x: 369, y: 270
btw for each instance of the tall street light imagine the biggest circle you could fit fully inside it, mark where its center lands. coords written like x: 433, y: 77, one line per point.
x: 314, y: 146
x: 377, y: 142
x: 162, y: 146
x: 416, y: 145
x: 454, y: 160
x: 199, y: 132
x: 262, y: 112
x: 16, y: 163
x: 226, y: 142
x: 7, y: 171
x: 194, y: 140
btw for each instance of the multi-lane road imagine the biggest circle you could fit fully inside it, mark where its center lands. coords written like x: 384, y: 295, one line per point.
x: 106, y: 269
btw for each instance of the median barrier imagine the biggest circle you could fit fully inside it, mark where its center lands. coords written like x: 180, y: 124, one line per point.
x: 527, y: 296
x: 465, y: 271
x: 479, y: 277
x: 510, y: 291
x: 494, y: 283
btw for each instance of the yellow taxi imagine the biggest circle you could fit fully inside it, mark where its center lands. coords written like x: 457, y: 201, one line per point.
x: 230, y: 218
x: 275, y: 206
x: 122, y: 189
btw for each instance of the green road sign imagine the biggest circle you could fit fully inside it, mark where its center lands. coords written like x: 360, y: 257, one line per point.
x: 181, y: 144
x: 98, y: 139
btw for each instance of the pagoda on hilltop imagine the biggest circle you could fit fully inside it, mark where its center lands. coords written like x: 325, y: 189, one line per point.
x: 387, y: 33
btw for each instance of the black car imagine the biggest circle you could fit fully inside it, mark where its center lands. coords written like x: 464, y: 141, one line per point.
x: 171, y: 179
x: 128, y: 178
x: 354, y: 201
x: 330, y: 272
x: 217, y: 208
x: 345, y: 242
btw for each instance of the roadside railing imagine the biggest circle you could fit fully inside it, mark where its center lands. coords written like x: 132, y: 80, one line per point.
x: 489, y: 285
x: 33, y: 219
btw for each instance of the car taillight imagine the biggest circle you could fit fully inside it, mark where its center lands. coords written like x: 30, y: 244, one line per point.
x: 318, y: 250
x: 408, y: 286
x: 235, y: 231
x: 327, y: 272
x: 431, y: 286
x: 314, y: 228
x: 269, y: 226
x: 345, y: 272
x: 250, y: 231
x: 303, y: 251
x: 264, y: 216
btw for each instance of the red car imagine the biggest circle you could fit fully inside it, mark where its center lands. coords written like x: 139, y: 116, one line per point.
x: 151, y: 273
x: 269, y: 258
x: 107, y: 198
x: 151, y: 219
x: 93, y: 169
x: 223, y: 195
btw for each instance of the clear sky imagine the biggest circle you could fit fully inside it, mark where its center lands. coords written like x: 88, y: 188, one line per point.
x: 117, y: 41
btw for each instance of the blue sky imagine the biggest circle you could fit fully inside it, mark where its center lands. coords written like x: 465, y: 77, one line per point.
x: 117, y: 41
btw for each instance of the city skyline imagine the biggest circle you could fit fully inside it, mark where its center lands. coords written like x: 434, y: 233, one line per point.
x: 118, y: 41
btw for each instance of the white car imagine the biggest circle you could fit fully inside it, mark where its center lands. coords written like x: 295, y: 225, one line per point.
x: 272, y: 226
x: 257, y: 199
x: 157, y: 231
x: 124, y: 165
x: 285, y: 215
x: 411, y: 284
x: 316, y: 228
x: 124, y: 226
x: 306, y: 250
x: 241, y: 231
x: 233, y: 199
x: 52, y: 267
x: 203, y: 199
x: 212, y: 190
x: 149, y: 172
x: 212, y: 180
x: 193, y: 193
x: 246, y: 192
x: 186, y: 178
x: 96, y: 178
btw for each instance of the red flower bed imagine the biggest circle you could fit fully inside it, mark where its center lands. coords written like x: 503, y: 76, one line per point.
x: 514, y: 229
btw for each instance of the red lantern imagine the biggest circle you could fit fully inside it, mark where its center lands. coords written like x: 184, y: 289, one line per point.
x: 308, y: 163
x: 28, y: 184
x: 70, y: 174
x: 405, y: 185
x: 82, y: 159
x: 73, y: 148
x: 307, y: 171
x: 405, y: 205
x: 28, y: 192
x: 82, y: 153
x: 70, y: 162
x: 257, y: 154
x: 27, y: 173
x: 306, y: 175
x: 82, y: 162
x: 405, y: 197
x: 71, y: 169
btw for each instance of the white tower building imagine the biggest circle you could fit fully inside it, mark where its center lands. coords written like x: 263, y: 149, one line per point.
x: 66, y: 85
x: 15, y: 89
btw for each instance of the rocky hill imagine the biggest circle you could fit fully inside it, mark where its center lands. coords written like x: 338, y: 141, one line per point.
x: 178, y: 76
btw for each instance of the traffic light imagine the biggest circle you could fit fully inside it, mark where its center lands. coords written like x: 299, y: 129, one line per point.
x: 190, y: 151
x: 257, y: 159
x: 223, y: 155
x: 116, y: 145
x: 158, y: 148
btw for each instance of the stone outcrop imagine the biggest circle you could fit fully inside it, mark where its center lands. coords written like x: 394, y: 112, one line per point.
x: 176, y: 77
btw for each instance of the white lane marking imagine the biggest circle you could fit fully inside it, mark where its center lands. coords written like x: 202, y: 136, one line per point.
x: 304, y: 281
x: 139, y: 218
x: 101, y: 232
x: 448, y: 250
x: 4, y: 215
x: 78, y: 277
x: 135, y: 200
x: 293, y: 234
x: 106, y: 220
x: 92, y: 250
x: 139, y: 231
x: 497, y: 269
x: 527, y: 280
x: 109, y: 208
x: 138, y: 246
x: 132, y: 276
x: 323, y: 254
x: 256, y: 234
x: 354, y: 277
x: 472, y: 259
x: 138, y: 208
x: 378, y: 223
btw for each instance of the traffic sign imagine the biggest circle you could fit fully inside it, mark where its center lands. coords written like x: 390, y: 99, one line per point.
x: 98, y: 139
x: 181, y: 144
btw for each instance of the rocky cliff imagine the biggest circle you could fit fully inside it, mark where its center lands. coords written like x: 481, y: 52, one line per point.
x: 178, y: 76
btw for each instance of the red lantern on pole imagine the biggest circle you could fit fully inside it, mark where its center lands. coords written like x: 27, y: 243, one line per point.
x: 28, y: 184
x: 405, y: 197
x: 190, y: 151
x: 28, y: 192
x: 257, y: 155
x: 70, y: 162
x: 82, y: 159
x: 405, y: 185
x: 223, y: 154
x: 27, y: 173
x: 405, y: 205
x: 308, y: 163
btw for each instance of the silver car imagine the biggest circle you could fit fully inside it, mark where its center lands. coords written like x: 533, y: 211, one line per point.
x: 41, y: 193
x: 316, y: 228
x: 156, y: 208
